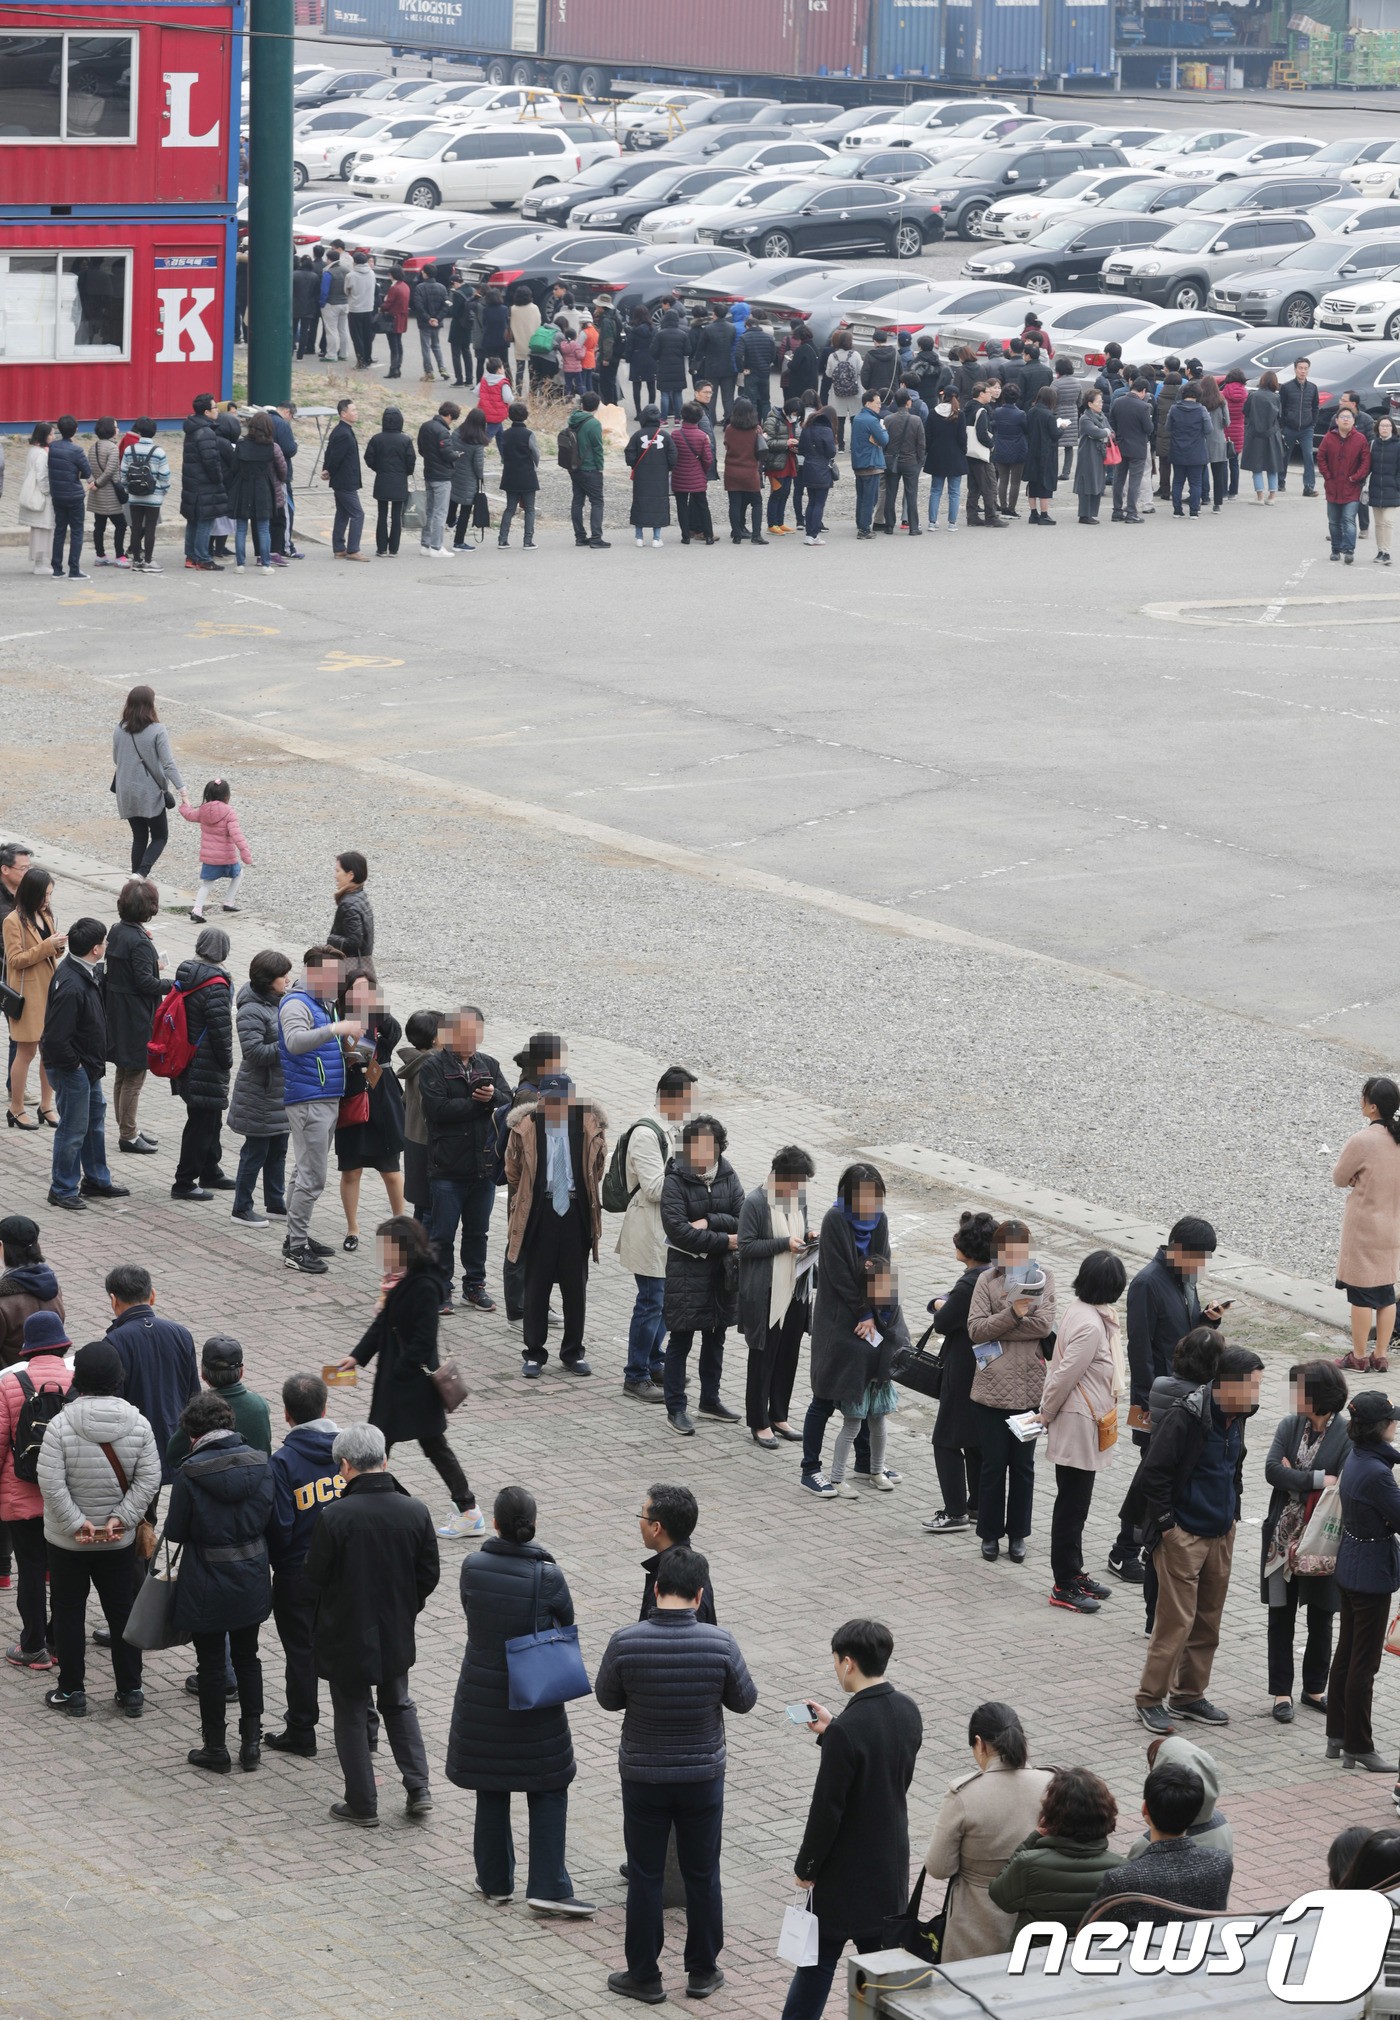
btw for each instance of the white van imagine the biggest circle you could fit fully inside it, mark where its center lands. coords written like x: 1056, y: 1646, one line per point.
x: 496, y: 165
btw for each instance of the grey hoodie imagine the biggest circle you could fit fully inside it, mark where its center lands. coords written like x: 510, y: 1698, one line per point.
x: 1210, y: 1831
x: 79, y: 1482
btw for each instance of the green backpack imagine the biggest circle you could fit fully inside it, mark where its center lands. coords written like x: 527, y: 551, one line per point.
x: 617, y: 1196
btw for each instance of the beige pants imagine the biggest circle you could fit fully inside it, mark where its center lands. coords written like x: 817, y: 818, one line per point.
x: 1193, y: 1576
x: 127, y: 1083
x: 1381, y: 516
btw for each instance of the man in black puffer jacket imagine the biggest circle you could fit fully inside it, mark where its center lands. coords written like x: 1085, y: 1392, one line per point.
x: 671, y: 352
x: 714, y: 357
x: 203, y: 1086
x: 758, y: 360
x: 204, y: 471
x: 673, y: 1678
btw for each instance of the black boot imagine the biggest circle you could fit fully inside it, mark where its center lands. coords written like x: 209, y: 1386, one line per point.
x: 250, y: 1743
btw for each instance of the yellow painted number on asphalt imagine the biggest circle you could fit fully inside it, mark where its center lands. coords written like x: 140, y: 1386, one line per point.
x: 343, y: 662
x: 208, y: 628
x: 101, y: 596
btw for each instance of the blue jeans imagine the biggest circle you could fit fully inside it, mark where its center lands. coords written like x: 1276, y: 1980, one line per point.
x: 935, y: 494
x: 262, y: 540
x: 1341, y: 524
x: 493, y: 1848
x: 868, y: 484
x: 69, y: 518
x: 649, y: 1809
x: 268, y: 1155
x: 348, y: 523
x: 1300, y: 439
x: 671, y: 403
x: 197, y: 533
x: 79, y: 1144
x: 468, y: 1200
x: 1265, y: 480
x: 647, y: 1333
x: 807, y: 1994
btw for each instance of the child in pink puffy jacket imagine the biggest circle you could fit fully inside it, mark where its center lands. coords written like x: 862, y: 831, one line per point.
x: 221, y: 844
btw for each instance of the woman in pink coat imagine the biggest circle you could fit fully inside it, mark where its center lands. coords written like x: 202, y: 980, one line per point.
x: 1370, y: 1253
x: 45, y: 1375
x: 1234, y: 391
x: 1084, y: 1382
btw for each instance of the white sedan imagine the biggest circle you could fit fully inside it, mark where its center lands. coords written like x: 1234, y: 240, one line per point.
x: 1378, y: 177
x: 917, y: 123
x: 331, y: 154
x: 679, y: 223
x: 1172, y: 151
x: 1365, y: 309
x: 1019, y: 217
x: 1249, y: 156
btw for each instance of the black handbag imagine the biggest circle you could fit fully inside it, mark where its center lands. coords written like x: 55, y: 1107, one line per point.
x: 914, y: 1369
x: 906, y: 1932
x: 481, y: 512
x: 11, y: 1000
x: 155, y: 779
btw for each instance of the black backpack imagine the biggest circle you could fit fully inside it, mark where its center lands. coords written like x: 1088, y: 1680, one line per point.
x: 37, y: 1412
x: 140, y: 477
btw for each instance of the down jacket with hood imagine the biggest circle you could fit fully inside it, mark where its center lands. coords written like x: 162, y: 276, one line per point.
x: 77, y: 1479
x: 256, y: 1108
x: 209, y: 1022
x: 490, y: 1746
x: 221, y: 1505
x: 32, y: 1287
x: 392, y: 457
x: 1211, y: 1829
x: 252, y: 489
x: 204, y: 470
x: 702, y: 1270
x: 672, y: 349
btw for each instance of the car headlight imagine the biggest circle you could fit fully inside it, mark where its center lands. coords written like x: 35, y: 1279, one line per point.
x: 1147, y: 267
x: 1264, y: 294
x: 996, y: 267
x: 604, y: 216
x: 1359, y: 308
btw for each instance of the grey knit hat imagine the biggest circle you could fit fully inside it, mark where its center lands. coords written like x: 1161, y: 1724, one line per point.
x: 213, y: 944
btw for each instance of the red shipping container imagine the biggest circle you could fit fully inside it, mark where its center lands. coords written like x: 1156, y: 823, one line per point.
x: 749, y: 38
x: 103, y: 104
x: 110, y: 315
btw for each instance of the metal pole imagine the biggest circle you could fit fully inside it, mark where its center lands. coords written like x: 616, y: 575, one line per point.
x: 270, y: 202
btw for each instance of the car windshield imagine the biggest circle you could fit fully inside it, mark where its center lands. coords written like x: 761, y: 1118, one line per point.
x: 1340, y: 151
x: 1139, y: 195
x: 422, y: 146
x: 906, y: 115
x: 660, y: 184
x: 783, y: 198
x: 1313, y: 255
x: 1392, y: 153
x: 740, y: 189
x: 1232, y: 149
x: 1085, y: 318
x: 988, y: 164
x: 1191, y: 235
x: 365, y: 128
x: 482, y: 94
x: 1069, y: 185
x: 1064, y: 231
x: 1332, y: 216
x: 597, y: 177
x: 1167, y: 143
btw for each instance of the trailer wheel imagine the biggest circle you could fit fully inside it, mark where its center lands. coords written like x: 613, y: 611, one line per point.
x: 300, y: 178
x: 522, y: 73
x: 498, y: 71
x: 592, y: 82
x: 423, y: 195
x: 566, y: 80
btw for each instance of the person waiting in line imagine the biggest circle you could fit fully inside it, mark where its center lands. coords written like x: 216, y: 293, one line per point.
x: 854, y: 1237
x: 135, y: 988
x: 651, y: 1143
x: 1011, y: 1312
x: 667, y: 1522
x: 1078, y: 1406
x: 701, y: 1200
x: 777, y: 1257
x: 1368, y: 1572
x: 369, y: 1132
x: 956, y: 1452
x: 984, y: 1817
x: 556, y: 1153
x: 305, y: 1480
x: 1175, y: 1868
x: 392, y: 457
x: 1055, y: 1874
x: 1369, y: 1257
x: 1307, y: 1454
x: 207, y: 989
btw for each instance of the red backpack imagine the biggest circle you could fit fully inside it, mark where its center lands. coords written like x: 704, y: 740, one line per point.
x: 169, y: 1050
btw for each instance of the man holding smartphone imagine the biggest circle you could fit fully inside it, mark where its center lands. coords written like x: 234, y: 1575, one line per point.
x: 461, y: 1088
x: 1163, y: 1307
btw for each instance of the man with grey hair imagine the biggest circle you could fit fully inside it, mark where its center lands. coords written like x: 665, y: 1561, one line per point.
x: 372, y: 1563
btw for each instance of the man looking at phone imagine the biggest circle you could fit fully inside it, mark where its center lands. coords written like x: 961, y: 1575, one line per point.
x: 854, y: 1859
x: 461, y: 1088
x: 1163, y: 1307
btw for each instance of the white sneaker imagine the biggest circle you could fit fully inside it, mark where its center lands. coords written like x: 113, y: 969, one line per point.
x: 882, y: 1483
x: 657, y: 541
x: 844, y: 1491
x: 239, y: 569
x: 952, y: 527
x: 640, y: 541
x: 460, y: 1523
x: 41, y: 568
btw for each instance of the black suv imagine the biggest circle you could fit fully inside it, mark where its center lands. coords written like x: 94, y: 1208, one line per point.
x: 964, y: 194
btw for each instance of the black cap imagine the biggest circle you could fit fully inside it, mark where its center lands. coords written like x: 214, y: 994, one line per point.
x: 17, y: 1230
x: 221, y: 1359
x: 1373, y: 1407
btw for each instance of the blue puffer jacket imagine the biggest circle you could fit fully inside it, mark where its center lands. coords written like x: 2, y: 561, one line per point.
x: 68, y: 466
x: 1368, y: 1557
x: 1188, y: 432
x: 318, y: 1075
x: 1008, y: 432
x: 868, y: 440
x: 220, y: 1507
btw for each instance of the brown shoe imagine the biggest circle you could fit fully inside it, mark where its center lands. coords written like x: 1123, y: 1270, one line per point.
x: 357, y: 557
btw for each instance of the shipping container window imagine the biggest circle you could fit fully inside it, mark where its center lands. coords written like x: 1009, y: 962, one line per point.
x: 69, y: 305
x: 67, y: 87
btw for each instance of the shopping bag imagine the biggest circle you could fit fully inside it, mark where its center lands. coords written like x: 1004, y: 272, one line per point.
x: 151, y: 1622
x: 1314, y: 1555
x: 801, y: 1937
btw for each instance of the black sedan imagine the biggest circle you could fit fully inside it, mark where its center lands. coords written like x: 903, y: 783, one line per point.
x: 559, y: 257
x: 1068, y: 254
x: 673, y: 183
x: 849, y: 217
x: 1370, y: 369
x: 554, y: 203
x: 642, y: 277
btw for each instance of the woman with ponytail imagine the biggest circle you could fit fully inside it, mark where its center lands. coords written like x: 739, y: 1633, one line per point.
x: 985, y: 1816
x: 1370, y: 1252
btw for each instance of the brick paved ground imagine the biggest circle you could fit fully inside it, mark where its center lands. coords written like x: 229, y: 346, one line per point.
x: 134, y: 1887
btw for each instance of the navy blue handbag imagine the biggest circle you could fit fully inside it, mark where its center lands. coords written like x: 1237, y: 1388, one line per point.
x: 545, y: 1667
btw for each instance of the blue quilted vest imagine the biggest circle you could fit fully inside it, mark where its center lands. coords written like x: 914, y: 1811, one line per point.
x: 311, y: 1076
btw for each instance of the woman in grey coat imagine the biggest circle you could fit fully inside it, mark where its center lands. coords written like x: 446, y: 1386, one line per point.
x: 468, y: 474
x: 145, y: 770
x: 256, y: 1112
x: 1066, y: 414
x: 1094, y: 438
x: 1263, y: 455
x: 777, y: 1251
x: 1308, y: 1451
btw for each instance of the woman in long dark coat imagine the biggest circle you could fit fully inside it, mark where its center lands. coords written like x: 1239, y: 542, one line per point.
x: 1264, y: 455
x: 1310, y: 1447
x: 701, y: 1199
x: 369, y: 1136
x: 855, y: 1235
x: 253, y: 488
x: 134, y: 989
x: 1042, y: 456
x: 402, y: 1341
x: 1094, y: 438
x: 956, y: 1451
x: 203, y: 1086
x: 512, y: 1586
x: 651, y: 457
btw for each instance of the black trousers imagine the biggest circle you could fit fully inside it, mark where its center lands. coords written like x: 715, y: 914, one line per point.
x: 362, y: 334
x: 1360, y: 1645
x: 773, y: 1370
x: 649, y: 1810
x: 212, y: 1672
x: 144, y: 521
x: 445, y: 1462
x: 148, y: 840
x: 461, y: 361
x: 294, y: 1612
x: 745, y: 508
x: 587, y: 490
x: 1007, y: 1487
x: 959, y: 1476
x: 356, y: 1733
x: 981, y: 492
x: 1008, y: 485
x: 1317, y: 1650
x: 678, y: 1347
x: 1074, y: 1490
x: 100, y: 522
x: 556, y: 1252
x: 693, y: 516
x: 108, y: 1573
x: 388, y: 526
x: 200, y: 1147
x: 32, y: 1564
